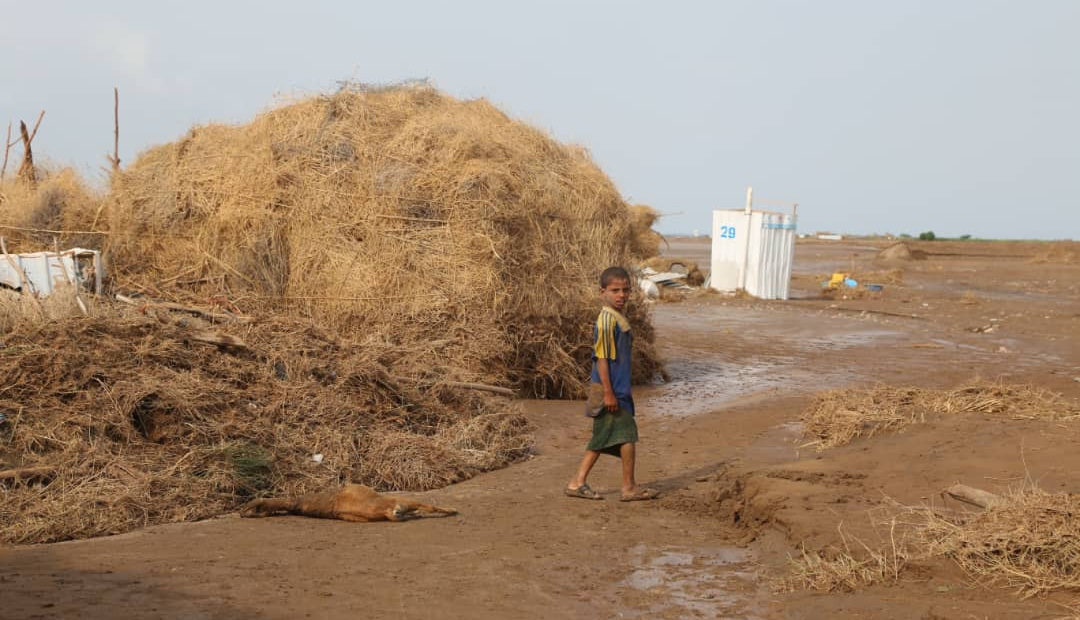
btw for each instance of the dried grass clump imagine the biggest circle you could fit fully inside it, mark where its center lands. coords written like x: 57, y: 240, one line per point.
x: 1028, y: 542
x: 646, y: 240
x: 18, y: 310
x: 837, y: 417
x: 61, y: 200
x: 843, y: 571
x: 397, y: 211
x: 900, y: 252
x: 1063, y: 253
x: 143, y: 424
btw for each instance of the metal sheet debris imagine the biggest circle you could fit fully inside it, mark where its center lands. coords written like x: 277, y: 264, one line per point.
x: 41, y: 273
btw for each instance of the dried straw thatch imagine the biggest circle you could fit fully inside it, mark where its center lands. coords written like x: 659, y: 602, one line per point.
x: 646, y: 240
x: 1029, y: 541
x: 138, y: 422
x: 845, y: 569
x: 837, y: 417
x: 398, y: 211
x: 61, y: 200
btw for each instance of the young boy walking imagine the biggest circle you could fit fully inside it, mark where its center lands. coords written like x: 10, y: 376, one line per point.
x: 610, y: 402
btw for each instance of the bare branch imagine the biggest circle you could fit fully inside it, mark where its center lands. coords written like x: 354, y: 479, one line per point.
x: 7, y: 149
x: 115, y: 159
x: 37, y: 124
x: 26, y: 168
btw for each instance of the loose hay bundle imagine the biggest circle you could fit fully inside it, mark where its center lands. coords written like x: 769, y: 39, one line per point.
x: 837, y: 417
x: 1029, y: 541
x: 143, y: 424
x: 399, y: 211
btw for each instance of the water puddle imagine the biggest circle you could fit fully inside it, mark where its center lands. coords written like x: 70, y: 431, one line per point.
x: 711, y: 582
x: 701, y: 383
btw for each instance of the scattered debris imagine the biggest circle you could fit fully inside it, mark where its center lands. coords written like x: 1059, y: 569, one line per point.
x: 42, y: 273
x: 667, y: 279
x: 692, y: 275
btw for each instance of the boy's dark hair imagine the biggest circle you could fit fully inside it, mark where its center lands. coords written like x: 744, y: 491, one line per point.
x: 613, y: 273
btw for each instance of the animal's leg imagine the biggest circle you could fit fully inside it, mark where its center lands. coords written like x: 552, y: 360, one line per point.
x: 267, y: 507
x: 416, y: 510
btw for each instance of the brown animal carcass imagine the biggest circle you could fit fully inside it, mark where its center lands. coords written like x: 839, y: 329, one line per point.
x: 353, y: 502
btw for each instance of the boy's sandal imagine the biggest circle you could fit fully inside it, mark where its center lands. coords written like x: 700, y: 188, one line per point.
x: 640, y: 494
x: 583, y: 491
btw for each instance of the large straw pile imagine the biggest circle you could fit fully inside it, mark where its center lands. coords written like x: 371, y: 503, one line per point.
x: 399, y: 211
x: 140, y: 422
x: 837, y: 417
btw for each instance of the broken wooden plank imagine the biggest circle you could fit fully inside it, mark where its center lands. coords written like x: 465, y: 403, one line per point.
x: 209, y: 315
x: 480, y: 386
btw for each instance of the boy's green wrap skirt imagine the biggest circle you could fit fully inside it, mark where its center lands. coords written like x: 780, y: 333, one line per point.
x: 612, y: 429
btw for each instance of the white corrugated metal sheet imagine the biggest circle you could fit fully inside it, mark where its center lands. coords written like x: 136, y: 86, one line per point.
x: 45, y: 271
x: 753, y: 251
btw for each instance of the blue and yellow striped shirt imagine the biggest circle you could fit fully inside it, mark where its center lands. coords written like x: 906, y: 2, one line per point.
x: 613, y: 341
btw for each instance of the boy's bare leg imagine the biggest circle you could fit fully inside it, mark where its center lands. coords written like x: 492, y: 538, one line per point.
x: 586, y: 466
x: 628, y: 454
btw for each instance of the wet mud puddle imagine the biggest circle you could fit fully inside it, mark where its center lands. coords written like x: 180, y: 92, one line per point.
x: 717, y: 355
x: 706, y: 582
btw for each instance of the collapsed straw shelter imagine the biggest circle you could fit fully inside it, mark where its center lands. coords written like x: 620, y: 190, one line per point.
x: 387, y: 248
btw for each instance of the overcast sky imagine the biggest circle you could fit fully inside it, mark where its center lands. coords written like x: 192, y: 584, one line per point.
x: 957, y: 116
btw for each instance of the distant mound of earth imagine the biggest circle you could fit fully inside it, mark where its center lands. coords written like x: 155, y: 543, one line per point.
x: 900, y: 252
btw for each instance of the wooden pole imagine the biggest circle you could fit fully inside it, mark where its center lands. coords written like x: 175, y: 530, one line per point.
x: 37, y: 124
x: 67, y: 279
x: 480, y: 386
x: 26, y: 168
x: 116, y: 129
x: 7, y: 149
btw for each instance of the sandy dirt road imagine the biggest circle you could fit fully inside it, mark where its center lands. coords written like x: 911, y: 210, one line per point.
x: 742, y: 371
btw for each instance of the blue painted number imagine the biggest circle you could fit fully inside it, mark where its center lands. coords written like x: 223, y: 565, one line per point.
x: 727, y: 232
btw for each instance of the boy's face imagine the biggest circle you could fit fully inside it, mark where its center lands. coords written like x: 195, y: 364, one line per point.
x: 616, y: 293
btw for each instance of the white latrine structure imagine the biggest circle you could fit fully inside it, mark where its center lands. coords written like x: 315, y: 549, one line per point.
x: 752, y: 250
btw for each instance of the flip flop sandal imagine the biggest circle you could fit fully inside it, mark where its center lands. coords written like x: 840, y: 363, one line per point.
x: 640, y: 495
x: 583, y: 491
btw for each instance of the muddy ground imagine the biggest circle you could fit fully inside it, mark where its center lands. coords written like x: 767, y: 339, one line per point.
x: 742, y: 371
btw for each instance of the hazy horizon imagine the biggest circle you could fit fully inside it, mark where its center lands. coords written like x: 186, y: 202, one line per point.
x: 957, y: 117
